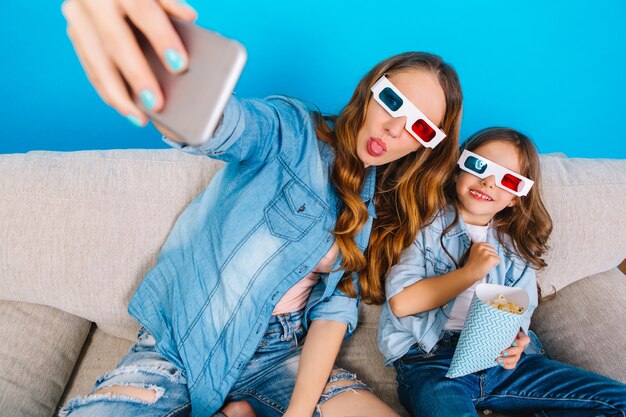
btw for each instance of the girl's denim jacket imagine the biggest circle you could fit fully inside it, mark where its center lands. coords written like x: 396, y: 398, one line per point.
x: 424, y: 259
x: 263, y: 223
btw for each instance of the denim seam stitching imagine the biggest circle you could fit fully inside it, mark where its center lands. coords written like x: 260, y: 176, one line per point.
x: 210, y: 296
x: 210, y: 356
x: 176, y: 410
x: 266, y: 400
x: 292, y: 205
x: 554, y: 398
x: 308, y: 189
x: 274, y: 205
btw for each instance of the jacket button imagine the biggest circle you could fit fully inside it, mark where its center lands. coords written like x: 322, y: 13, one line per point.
x: 301, y: 209
x: 445, y: 306
x: 326, y: 299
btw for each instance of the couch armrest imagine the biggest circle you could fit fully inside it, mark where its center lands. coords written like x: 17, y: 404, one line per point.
x: 586, y: 199
x: 585, y: 325
x: 39, y: 347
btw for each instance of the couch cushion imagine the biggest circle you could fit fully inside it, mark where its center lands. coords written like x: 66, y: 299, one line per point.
x: 597, y: 305
x: 85, y: 227
x: 101, y: 354
x: 39, y: 346
x: 587, y: 201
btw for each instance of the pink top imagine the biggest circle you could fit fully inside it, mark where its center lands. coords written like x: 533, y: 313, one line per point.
x: 295, y: 299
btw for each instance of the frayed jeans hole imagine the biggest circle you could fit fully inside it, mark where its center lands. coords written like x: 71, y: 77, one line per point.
x: 149, y: 395
x: 336, y: 384
x: 341, y: 375
x: 172, y: 374
x: 118, y: 393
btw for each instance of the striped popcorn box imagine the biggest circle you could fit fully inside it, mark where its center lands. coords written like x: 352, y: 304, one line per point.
x: 487, y: 331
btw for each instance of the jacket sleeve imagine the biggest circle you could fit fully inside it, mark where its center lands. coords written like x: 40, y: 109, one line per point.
x: 253, y: 131
x: 337, y: 307
x: 410, y: 268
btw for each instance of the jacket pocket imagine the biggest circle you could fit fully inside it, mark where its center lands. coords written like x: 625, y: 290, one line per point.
x: 439, y: 265
x: 293, y: 212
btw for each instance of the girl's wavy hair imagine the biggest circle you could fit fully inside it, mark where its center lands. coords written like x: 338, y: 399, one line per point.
x: 409, y: 191
x: 527, y: 223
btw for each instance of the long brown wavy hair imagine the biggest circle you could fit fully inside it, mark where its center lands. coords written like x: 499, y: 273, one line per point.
x: 527, y: 223
x: 409, y: 190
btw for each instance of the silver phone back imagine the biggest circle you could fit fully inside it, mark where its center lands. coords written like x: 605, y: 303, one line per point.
x: 195, y: 99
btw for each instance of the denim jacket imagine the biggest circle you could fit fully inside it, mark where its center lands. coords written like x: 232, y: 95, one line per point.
x: 263, y: 223
x: 424, y: 259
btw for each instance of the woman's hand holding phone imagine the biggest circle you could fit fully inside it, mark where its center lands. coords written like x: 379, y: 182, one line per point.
x: 109, y: 53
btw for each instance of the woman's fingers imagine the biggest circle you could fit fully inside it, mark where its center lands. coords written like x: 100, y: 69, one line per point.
x: 167, y: 133
x: 152, y: 20
x: 108, y: 50
x: 108, y: 18
x: 180, y: 9
x: 98, y: 66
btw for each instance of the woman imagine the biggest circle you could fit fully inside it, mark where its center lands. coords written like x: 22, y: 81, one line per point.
x: 275, y: 248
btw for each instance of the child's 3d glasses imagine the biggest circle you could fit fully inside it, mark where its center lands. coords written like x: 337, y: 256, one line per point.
x: 417, y: 124
x: 504, y: 178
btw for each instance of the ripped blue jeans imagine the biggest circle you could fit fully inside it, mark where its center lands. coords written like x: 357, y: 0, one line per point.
x: 266, y: 382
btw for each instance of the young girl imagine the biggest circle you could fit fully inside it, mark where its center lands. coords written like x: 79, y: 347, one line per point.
x: 260, y: 278
x: 494, y: 230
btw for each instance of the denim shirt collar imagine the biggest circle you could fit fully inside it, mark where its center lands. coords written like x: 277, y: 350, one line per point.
x: 369, y: 184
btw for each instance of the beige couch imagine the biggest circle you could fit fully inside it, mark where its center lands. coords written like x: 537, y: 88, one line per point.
x: 79, y: 230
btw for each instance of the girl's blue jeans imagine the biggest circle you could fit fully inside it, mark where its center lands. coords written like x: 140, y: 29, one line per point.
x: 538, y: 386
x: 266, y: 382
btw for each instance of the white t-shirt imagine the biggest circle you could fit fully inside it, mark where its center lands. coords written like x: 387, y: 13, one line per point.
x: 463, y: 300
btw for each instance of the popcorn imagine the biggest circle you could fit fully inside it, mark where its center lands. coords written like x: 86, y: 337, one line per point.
x: 501, y: 303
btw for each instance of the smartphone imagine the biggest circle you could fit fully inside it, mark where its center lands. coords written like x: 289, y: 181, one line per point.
x: 195, y: 99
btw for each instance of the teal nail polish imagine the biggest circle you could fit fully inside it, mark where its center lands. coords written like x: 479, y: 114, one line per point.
x: 148, y: 99
x: 500, y: 361
x: 514, y: 344
x: 134, y: 120
x: 174, y: 59
x: 505, y: 354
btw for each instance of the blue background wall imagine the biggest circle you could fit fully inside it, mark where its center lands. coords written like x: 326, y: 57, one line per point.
x: 554, y: 70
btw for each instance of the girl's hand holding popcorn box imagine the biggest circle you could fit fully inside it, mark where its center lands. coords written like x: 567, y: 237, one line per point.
x: 493, y: 323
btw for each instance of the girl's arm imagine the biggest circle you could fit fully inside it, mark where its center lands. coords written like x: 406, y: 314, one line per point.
x: 426, y: 294
x: 320, y: 350
x: 431, y: 293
